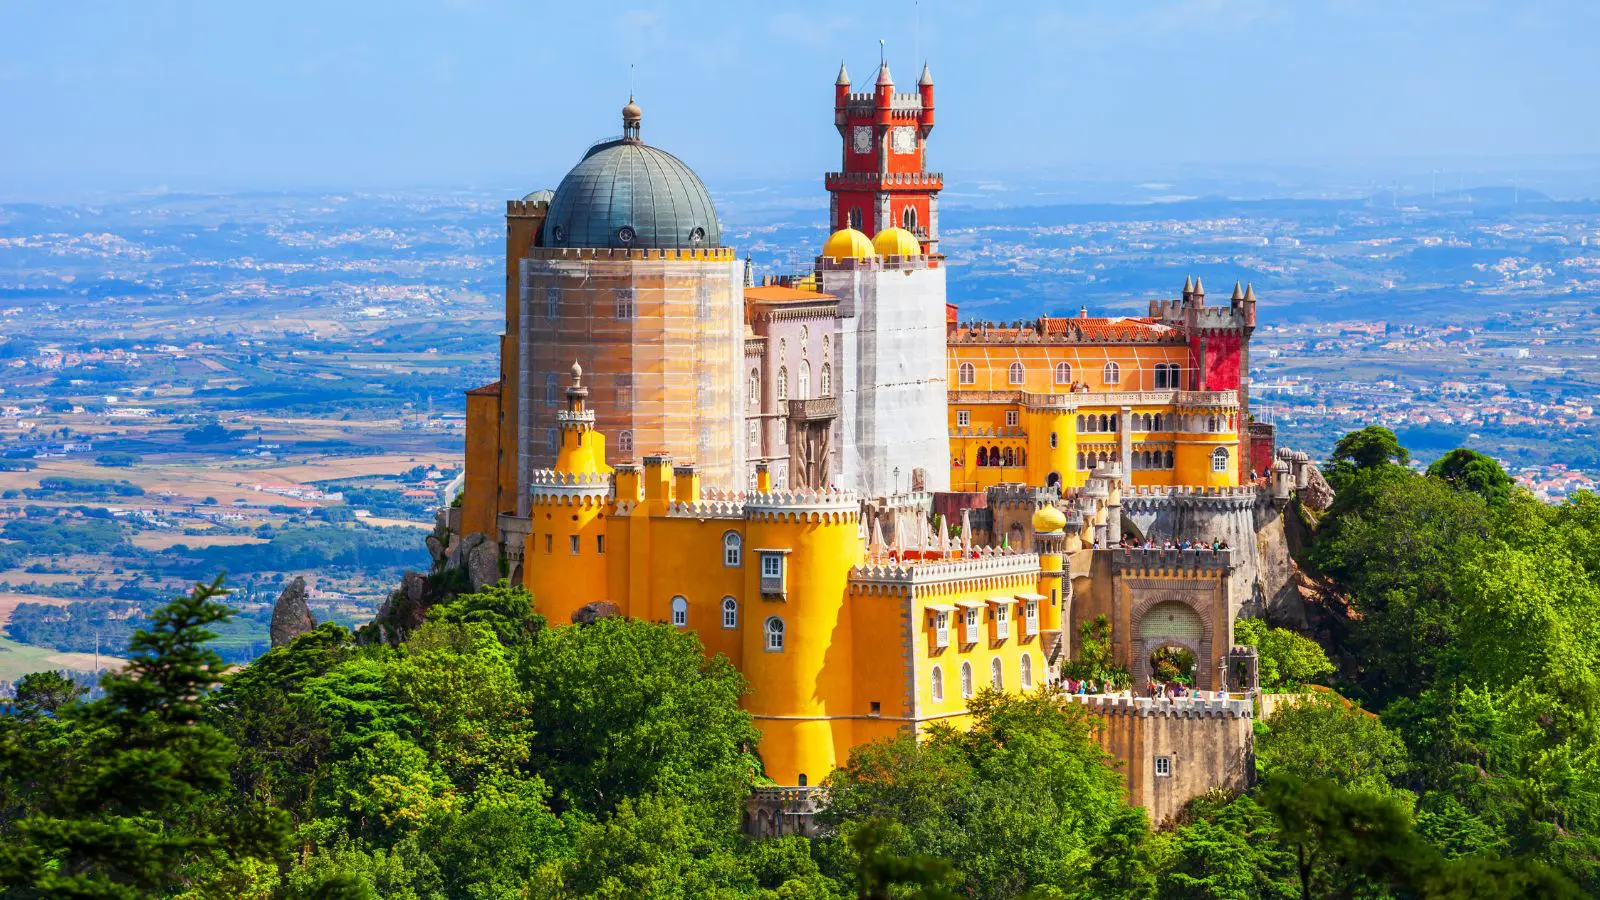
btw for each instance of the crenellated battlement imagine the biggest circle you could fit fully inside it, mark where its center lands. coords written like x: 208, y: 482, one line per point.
x: 985, y: 562
x: 707, y: 509
x: 619, y: 254
x: 1162, y: 561
x: 810, y: 506
x: 1165, y: 707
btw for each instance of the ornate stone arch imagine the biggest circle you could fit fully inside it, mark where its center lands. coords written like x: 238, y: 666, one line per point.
x: 1197, y: 636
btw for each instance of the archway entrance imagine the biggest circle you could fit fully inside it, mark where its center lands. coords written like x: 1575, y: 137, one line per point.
x: 1170, y: 640
x: 1172, y: 665
x: 1054, y: 480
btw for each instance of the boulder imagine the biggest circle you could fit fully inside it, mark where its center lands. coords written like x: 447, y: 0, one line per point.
x: 483, y: 564
x: 1317, y: 494
x: 437, y: 551
x: 291, y: 617
x: 462, y: 549
x: 590, y: 613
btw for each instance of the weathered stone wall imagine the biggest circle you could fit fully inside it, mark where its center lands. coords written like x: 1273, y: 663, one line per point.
x: 1207, y: 744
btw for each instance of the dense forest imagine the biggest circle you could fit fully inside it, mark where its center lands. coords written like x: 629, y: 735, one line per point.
x: 487, y: 755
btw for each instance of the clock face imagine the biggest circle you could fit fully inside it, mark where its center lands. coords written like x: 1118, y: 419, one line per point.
x: 861, y: 138
x: 905, y: 139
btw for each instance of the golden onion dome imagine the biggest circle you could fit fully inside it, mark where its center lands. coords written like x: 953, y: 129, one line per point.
x: 848, y: 243
x: 896, y: 242
x: 1048, y: 520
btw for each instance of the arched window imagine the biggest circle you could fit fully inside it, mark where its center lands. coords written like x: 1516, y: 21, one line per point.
x: 625, y: 442
x: 1104, y: 458
x: 997, y: 678
x: 1157, y: 425
x: 1169, y: 459
x: 855, y: 217
x: 1007, y: 458
x: 730, y: 612
x: 1081, y: 426
x: 1146, y: 456
x: 1014, y: 374
x: 1113, y: 373
x: 1219, y: 459
x: 1211, y: 423
x: 908, y: 219
x: 1105, y: 423
x: 680, y: 612
x: 966, y: 681
x: 783, y: 382
x: 1094, y: 424
x: 732, y: 550
x: 1116, y: 421
x: 994, y: 456
x: 754, y: 388
x: 826, y: 388
x: 983, y: 456
x: 774, y: 631
x: 805, y: 380
x: 1063, y: 373
x: 1080, y: 461
x: 967, y: 374
x: 938, y: 684
x: 1027, y: 671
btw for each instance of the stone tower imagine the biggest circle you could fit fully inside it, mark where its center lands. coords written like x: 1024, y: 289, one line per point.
x: 883, y: 181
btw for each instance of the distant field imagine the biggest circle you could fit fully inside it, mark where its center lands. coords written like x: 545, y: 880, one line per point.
x: 9, y: 601
x: 17, y: 660
x: 161, y: 540
x: 377, y: 522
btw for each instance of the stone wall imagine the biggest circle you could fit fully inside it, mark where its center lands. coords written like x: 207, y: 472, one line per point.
x: 1206, y: 744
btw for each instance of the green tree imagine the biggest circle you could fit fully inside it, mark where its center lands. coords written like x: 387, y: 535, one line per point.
x: 128, y: 815
x: 1020, y: 801
x: 45, y: 693
x: 1227, y: 850
x: 1370, y: 448
x: 623, y: 708
x: 1286, y: 659
x: 1469, y: 470
x: 1096, y: 659
x: 1323, y: 736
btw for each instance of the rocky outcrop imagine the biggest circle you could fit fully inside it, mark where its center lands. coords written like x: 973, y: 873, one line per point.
x: 590, y: 613
x: 460, y: 565
x: 291, y: 617
x: 1317, y: 494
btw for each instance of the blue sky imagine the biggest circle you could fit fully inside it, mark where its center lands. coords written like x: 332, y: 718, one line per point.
x: 489, y: 94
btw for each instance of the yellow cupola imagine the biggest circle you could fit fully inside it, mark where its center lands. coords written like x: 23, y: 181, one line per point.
x: 1048, y: 520
x: 896, y: 242
x: 848, y: 243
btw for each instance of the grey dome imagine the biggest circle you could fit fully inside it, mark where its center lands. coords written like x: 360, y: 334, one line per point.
x: 625, y: 193
x: 541, y: 196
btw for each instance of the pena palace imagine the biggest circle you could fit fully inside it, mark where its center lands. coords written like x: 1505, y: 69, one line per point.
x: 870, y: 506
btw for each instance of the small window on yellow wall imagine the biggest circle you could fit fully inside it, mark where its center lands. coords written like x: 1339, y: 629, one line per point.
x: 1219, y: 459
x: 963, y: 418
x: 680, y: 612
x: 968, y: 374
x: 1012, y: 418
x: 966, y: 681
x: 1015, y: 373
x: 1113, y: 373
x: 938, y: 684
x: 1063, y: 373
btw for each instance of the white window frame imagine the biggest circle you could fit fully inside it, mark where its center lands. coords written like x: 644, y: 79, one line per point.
x: 1112, y: 373
x: 783, y: 383
x: 966, y: 680
x: 963, y: 418
x: 1013, y: 418
x: 971, y: 623
x: 997, y: 674
x: 625, y: 303
x: 775, y: 633
x: 680, y: 612
x: 941, y: 629
x: 1016, y: 373
x: 1220, y: 458
x: 625, y: 442
x: 1002, y: 621
x: 1030, y: 617
x: 825, y: 389
x: 937, y: 687
x: 1063, y: 373
x: 967, y: 373
x: 1025, y: 671
x: 1163, y: 767
x: 730, y: 613
x: 732, y: 550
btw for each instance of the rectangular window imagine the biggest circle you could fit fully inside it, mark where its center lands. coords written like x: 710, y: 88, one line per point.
x: 572, y: 544
x: 772, y: 581
x: 625, y: 303
x: 941, y: 629
x: 1012, y: 418
x: 600, y: 543
x: 1031, y: 617
x: 1002, y: 621
x: 877, y: 709
x: 971, y: 635
x: 1163, y: 766
x: 625, y: 390
x: 552, y: 302
x: 549, y: 543
x: 963, y: 418
x: 755, y: 436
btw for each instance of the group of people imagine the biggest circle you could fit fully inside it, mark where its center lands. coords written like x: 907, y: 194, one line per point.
x: 1216, y: 545
x: 1087, y: 686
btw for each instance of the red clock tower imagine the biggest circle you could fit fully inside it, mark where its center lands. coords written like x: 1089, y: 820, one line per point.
x: 884, y: 180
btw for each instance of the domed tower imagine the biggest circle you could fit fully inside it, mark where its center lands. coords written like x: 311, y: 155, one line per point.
x: 630, y: 274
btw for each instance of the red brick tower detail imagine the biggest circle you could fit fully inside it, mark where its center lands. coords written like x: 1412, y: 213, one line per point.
x: 884, y: 181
